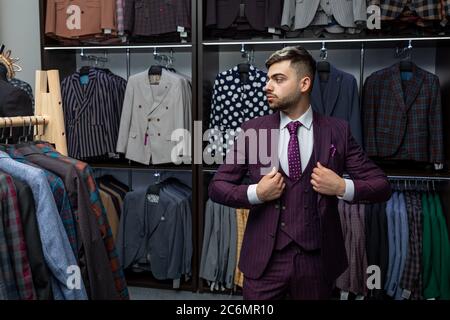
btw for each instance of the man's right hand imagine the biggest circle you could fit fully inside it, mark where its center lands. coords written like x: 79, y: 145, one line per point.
x: 271, y: 186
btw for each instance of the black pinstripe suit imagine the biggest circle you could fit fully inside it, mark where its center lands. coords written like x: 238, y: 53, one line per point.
x: 92, y: 113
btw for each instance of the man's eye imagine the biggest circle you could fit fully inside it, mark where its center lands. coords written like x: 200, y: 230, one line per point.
x: 279, y: 80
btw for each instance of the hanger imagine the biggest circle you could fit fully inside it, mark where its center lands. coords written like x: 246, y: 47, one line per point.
x: 154, y: 189
x: 323, y: 66
x: 406, y: 65
x: 244, y: 68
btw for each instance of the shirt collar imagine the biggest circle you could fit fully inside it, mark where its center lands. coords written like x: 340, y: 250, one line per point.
x: 306, y: 119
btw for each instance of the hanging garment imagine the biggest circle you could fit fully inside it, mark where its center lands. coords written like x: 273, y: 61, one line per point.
x: 412, y: 272
x: 57, y: 251
x: 444, y: 255
x: 241, y: 218
x: 430, y: 283
x: 149, y: 18
x: 14, y: 102
x: 92, y: 113
x: 338, y: 97
x: 100, y: 282
x: 403, y: 119
x: 233, y: 103
x: 86, y: 175
x: 76, y: 18
x: 15, y: 239
x: 404, y: 244
x: 218, y: 261
x: 428, y: 10
x: 155, y: 232
x: 301, y: 14
x: 151, y: 113
x: 25, y: 87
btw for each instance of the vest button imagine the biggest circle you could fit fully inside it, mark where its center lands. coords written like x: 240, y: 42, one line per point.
x: 284, y: 208
x: 283, y: 224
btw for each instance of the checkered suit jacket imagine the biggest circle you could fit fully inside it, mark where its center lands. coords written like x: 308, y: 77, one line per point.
x: 155, y: 17
x: 403, y: 125
x: 426, y: 9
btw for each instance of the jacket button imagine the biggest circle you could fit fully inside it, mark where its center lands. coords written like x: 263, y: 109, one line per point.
x: 283, y: 224
x: 284, y: 208
x: 157, y: 120
x: 140, y: 106
x: 159, y: 134
x: 149, y: 120
x: 167, y: 108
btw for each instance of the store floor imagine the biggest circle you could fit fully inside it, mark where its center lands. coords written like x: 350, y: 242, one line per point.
x: 137, y: 293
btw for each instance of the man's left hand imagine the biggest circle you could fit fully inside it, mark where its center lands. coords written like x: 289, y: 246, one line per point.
x: 327, y: 182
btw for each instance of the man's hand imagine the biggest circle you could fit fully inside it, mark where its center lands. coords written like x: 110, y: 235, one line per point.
x: 327, y: 182
x: 271, y: 186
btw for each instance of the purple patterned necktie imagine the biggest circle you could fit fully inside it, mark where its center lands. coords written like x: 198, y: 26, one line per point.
x: 295, y: 166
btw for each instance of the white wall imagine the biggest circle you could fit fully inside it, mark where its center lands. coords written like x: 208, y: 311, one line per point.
x: 19, y: 31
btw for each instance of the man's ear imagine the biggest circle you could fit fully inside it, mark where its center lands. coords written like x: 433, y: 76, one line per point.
x: 305, y: 84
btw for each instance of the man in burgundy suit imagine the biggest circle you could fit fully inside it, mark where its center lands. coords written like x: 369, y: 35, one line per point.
x: 293, y: 245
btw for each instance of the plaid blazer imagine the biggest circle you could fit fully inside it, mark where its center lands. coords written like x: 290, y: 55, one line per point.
x: 426, y: 9
x: 148, y: 18
x: 403, y: 124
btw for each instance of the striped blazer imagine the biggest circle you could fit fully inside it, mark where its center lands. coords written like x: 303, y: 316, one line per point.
x: 92, y: 113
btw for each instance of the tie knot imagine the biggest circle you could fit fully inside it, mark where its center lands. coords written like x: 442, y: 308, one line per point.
x: 293, y: 127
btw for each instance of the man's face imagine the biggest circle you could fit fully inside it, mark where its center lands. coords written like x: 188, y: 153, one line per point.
x: 284, y: 88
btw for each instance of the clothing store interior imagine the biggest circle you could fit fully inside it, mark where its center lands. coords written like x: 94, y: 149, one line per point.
x: 91, y: 92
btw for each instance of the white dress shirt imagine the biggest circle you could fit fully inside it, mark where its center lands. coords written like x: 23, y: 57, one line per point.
x: 306, y: 142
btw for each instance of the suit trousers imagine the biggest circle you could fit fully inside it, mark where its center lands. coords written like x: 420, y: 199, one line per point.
x: 292, y: 273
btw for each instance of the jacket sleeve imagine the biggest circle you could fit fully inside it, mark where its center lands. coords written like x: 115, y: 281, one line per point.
x: 125, y: 119
x: 436, y: 142
x: 108, y: 18
x: 226, y: 187
x: 359, y: 11
x: 287, y: 18
x: 371, y: 183
x: 50, y: 17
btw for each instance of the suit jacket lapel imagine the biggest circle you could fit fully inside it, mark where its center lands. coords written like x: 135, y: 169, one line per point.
x: 157, y: 93
x: 413, y: 86
x: 86, y: 93
x: 396, y: 85
x: 333, y: 88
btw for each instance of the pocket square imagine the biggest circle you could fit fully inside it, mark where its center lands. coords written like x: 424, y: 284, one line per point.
x: 332, y: 150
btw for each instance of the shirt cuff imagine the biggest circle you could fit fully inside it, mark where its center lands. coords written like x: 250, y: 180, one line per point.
x: 252, y: 196
x: 349, y: 193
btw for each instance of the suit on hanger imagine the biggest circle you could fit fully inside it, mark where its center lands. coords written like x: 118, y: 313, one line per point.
x: 299, y: 14
x: 339, y: 98
x: 390, y: 213
x: 234, y: 102
x: 155, y: 111
x: 403, y: 124
x: 404, y: 243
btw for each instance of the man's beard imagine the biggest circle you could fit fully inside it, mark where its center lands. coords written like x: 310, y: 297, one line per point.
x: 287, y: 103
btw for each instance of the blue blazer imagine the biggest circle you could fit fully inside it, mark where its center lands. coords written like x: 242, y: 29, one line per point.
x: 340, y: 99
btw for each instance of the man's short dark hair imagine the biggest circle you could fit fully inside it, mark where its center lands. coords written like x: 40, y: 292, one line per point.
x: 303, y: 63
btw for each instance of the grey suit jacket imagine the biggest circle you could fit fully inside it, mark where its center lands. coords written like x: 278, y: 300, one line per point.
x: 209, y: 266
x: 155, y: 110
x: 299, y: 14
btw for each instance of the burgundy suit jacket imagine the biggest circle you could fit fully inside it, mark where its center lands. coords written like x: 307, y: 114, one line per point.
x: 336, y: 149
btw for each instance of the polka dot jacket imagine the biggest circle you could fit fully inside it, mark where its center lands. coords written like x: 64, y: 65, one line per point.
x: 233, y: 103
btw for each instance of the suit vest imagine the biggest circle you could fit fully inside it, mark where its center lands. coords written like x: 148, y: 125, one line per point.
x: 299, y: 218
